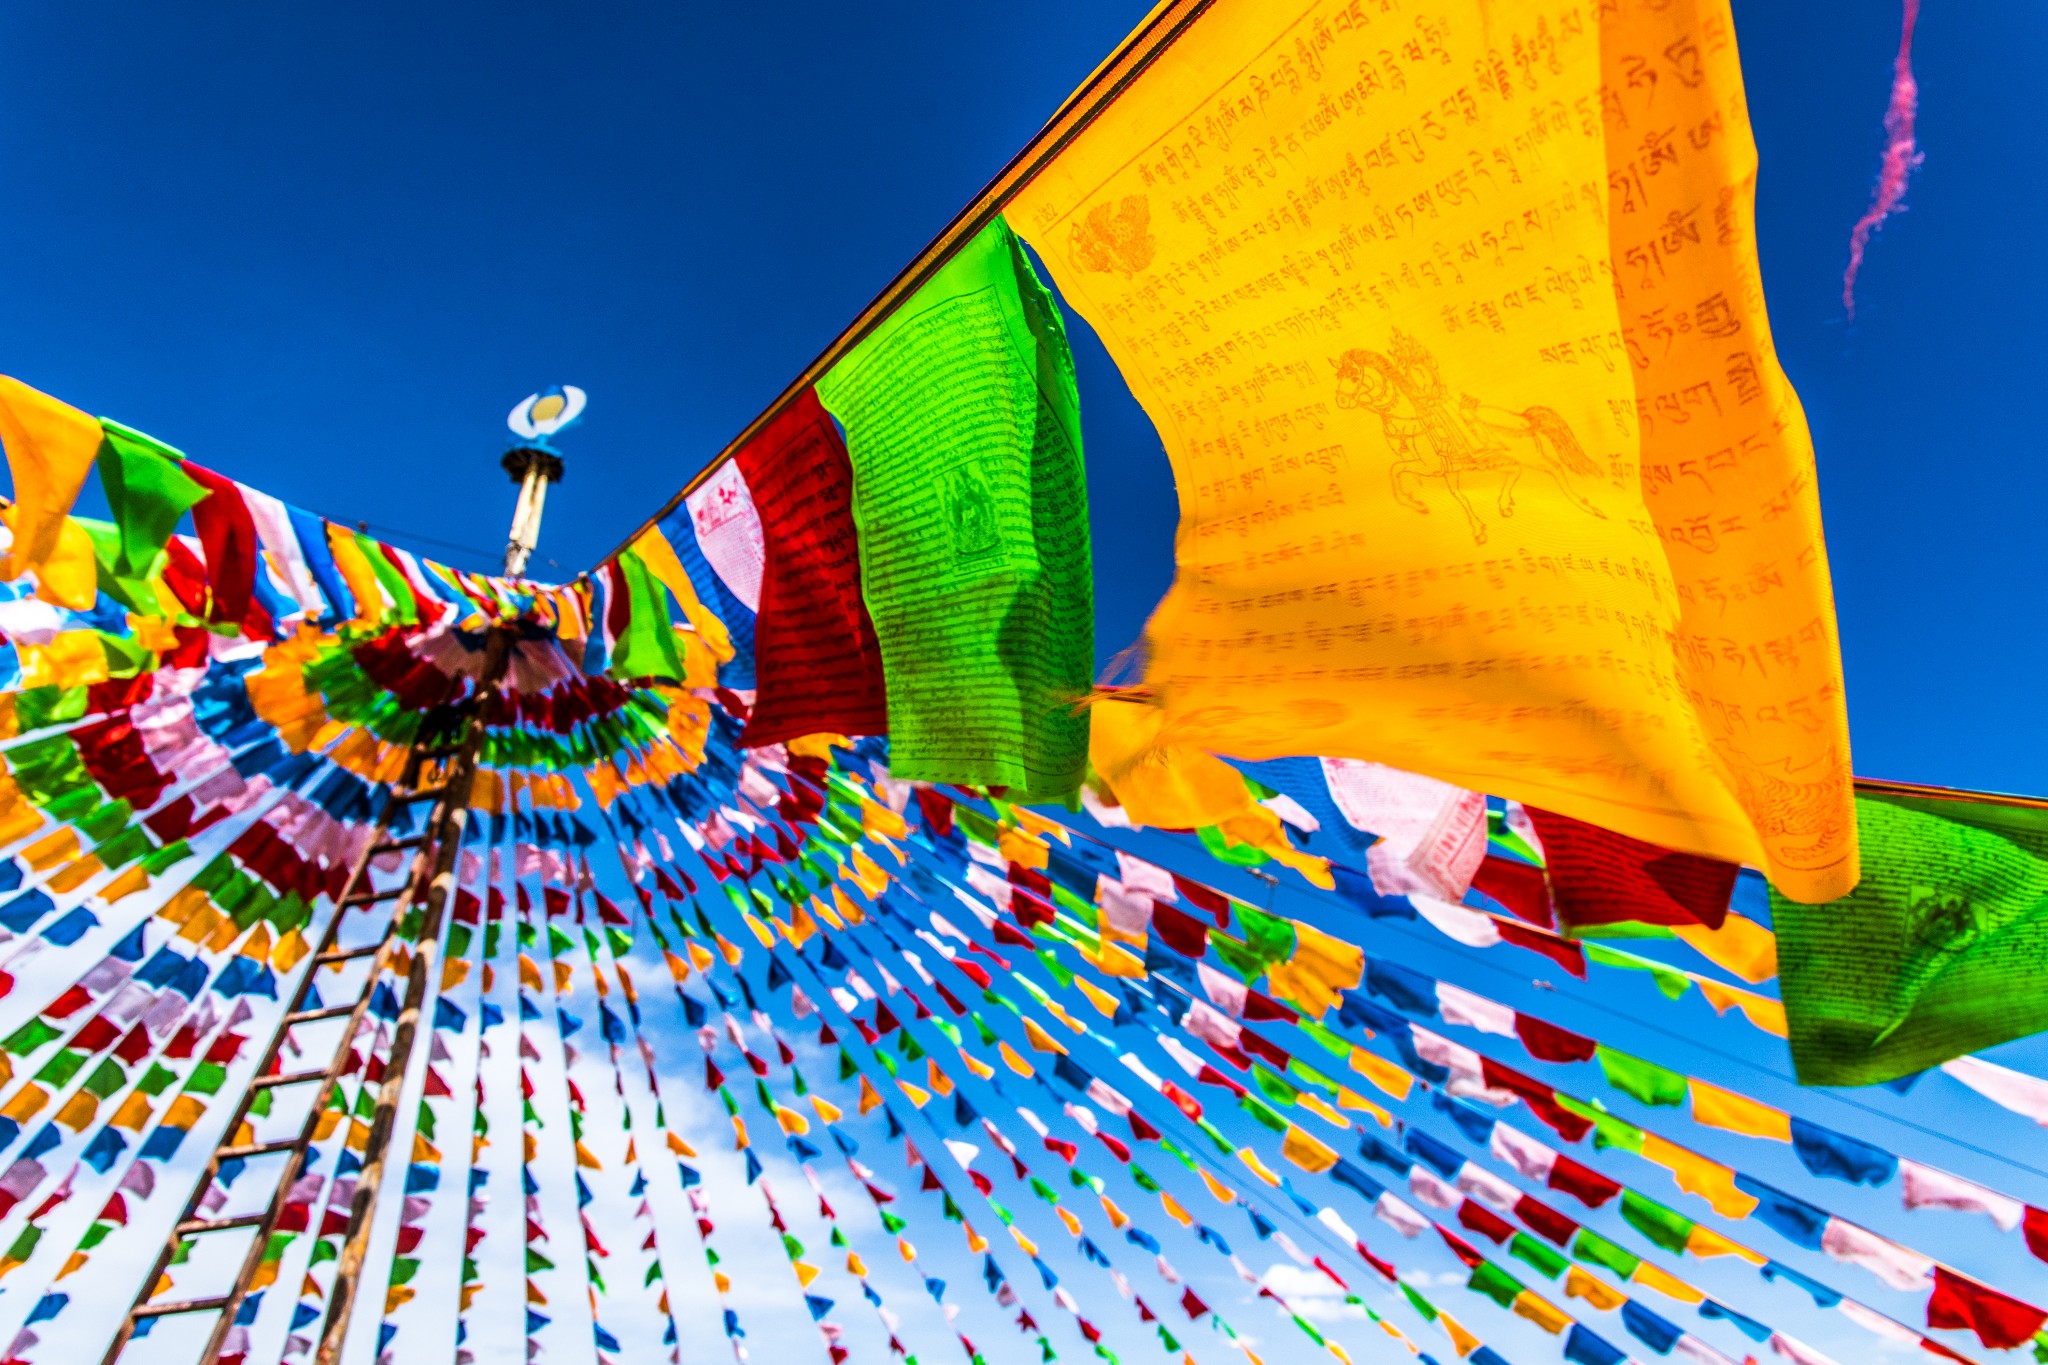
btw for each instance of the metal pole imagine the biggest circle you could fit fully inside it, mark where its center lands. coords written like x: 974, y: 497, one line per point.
x: 533, y: 489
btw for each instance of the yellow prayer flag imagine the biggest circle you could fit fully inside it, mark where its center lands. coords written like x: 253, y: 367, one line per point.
x: 25, y: 1103
x: 660, y: 558
x: 361, y: 580
x: 1351, y: 1099
x: 1762, y: 1011
x: 1316, y: 1105
x: 1391, y: 1079
x: 1306, y: 1151
x: 1041, y: 1041
x: 78, y: 1111
x: 1703, y: 1242
x: 75, y: 873
x: 1026, y: 850
x: 1105, y: 1003
x: 1695, y: 1174
x: 1718, y: 1108
x: 1665, y: 1283
x: 1322, y: 966
x: 1581, y: 1284
x: 1488, y: 469
x: 1740, y: 945
x: 1542, y: 1312
x: 58, y: 846
x: 74, y: 659
x: 133, y: 1113
x: 50, y: 449
x: 1257, y: 1167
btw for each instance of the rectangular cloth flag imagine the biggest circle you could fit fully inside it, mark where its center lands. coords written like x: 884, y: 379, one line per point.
x: 963, y: 425
x: 1487, y: 466
x: 818, y: 666
x: 1937, y: 953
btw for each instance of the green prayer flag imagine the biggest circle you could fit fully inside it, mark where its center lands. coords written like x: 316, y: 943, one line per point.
x: 1641, y: 1080
x: 1608, y: 1130
x: 138, y: 594
x: 404, y: 606
x: 30, y: 1036
x: 1261, y: 1113
x: 1937, y: 953
x: 1673, y: 982
x: 1590, y: 1247
x: 963, y: 427
x: 1269, y: 937
x: 1223, y: 850
x: 1276, y: 1090
x: 1666, y: 1227
x: 1239, y: 957
x: 108, y: 1077
x: 147, y: 493
x: 1548, y: 1261
x: 1490, y: 1280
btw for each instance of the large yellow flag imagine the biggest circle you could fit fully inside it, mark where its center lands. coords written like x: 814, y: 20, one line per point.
x: 1448, y: 313
x: 50, y: 449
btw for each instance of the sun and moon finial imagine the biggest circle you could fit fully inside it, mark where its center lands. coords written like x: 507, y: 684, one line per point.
x: 533, y: 464
x: 540, y: 415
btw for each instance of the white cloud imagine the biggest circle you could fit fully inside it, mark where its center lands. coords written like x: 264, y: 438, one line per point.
x: 1444, y: 1279
x: 1311, y: 1293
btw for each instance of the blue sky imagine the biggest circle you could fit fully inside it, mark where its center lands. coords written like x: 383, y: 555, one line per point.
x: 325, y: 251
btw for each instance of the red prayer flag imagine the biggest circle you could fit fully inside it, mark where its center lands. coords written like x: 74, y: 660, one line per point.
x: 818, y: 665
x: 1180, y: 931
x: 1587, y: 1186
x: 1545, y: 1221
x: 1485, y: 1222
x: 1518, y: 886
x: 1600, y: 877
x: 227, y: 533
x: 2000, y: 1321
x: 1549, y: 1043
x: 1569, y: 956
x: 1202, y: 898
